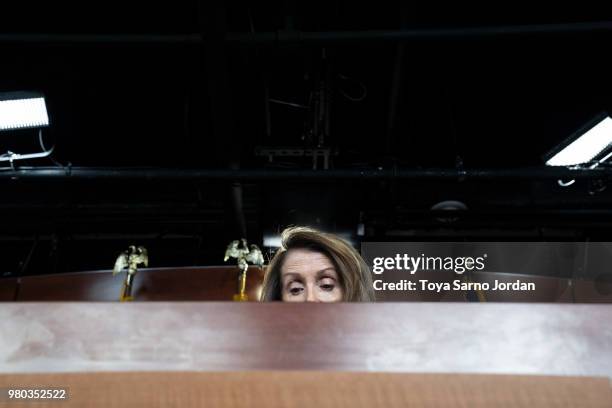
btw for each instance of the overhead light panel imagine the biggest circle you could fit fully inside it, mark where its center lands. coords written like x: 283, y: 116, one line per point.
x: 275, y: 240
x: 22, y: 110
x: 585, y: 145
x: 272, y: 241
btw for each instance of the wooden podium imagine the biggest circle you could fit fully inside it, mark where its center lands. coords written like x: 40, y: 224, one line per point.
x: 285, y: 355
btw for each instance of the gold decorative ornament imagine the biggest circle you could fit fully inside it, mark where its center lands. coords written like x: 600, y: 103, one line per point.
x: 239, y: 250
x: 130, y: 259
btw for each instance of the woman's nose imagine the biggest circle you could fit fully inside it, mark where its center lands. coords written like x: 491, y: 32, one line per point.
x: 310, y: 296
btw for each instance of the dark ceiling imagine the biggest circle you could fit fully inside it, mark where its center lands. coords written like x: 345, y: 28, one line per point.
x: 205, y: 85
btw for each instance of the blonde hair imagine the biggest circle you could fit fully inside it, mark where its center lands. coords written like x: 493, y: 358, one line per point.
x: 353, y: 273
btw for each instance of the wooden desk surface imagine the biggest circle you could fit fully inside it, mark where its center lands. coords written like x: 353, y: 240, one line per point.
x: 276, y: 389
x: 548, y: 339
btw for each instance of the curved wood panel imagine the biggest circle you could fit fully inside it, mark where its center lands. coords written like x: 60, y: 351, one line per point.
x: 192, y: 283
x: 8, y: 289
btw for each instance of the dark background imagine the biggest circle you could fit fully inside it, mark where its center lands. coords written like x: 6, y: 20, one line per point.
x: 120, y: 96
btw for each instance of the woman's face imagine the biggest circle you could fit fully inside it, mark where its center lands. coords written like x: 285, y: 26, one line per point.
x: 309, y: 276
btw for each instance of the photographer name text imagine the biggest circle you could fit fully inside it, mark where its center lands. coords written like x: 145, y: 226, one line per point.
x: 457, y: 284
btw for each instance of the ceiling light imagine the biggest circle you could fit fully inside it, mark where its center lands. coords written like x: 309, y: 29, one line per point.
x: 584, y: 145
x: 22, y: 110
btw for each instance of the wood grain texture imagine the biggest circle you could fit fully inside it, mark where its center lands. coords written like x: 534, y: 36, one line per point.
x: 502, y: 338
x: 155, y: 284
x: 315, y: 389
x: 8, y: 288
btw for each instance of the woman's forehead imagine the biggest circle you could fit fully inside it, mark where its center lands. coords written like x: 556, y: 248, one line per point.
x: 305, y: 261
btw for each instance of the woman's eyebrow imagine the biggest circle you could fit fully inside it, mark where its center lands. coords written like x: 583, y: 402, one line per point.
x: 322, y: 271
x: 291, y: 274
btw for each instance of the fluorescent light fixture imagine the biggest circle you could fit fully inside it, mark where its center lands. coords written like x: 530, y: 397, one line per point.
x: 585, y: 144
x: 272, y: 241
x: 22, y: 110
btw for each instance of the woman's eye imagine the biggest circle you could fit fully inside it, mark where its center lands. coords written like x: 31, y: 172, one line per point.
x: 327, y: 287
x: 296, y: 290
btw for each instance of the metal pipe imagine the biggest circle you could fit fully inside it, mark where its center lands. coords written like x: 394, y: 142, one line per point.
x: 302, y: 37
x: 78, y: 39
x: 18, y: 209
x: 159, y: 174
